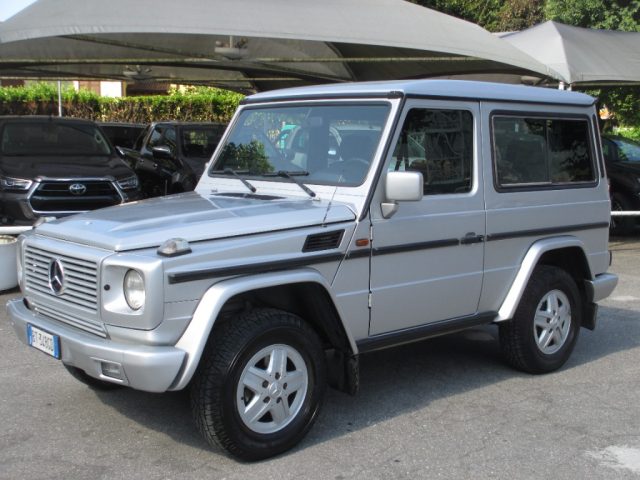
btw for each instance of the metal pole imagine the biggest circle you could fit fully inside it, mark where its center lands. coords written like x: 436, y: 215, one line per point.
x: 59, y: 98
x: 625, y: 213
x: 14, y: 230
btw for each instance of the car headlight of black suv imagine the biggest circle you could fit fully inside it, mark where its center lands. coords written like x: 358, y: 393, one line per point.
x: 128, y: 183
x: 15, y: 184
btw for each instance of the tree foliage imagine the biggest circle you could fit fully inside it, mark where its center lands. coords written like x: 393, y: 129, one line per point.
x: 608, y: 14
x: 510, y: 15
x: 494, y: 15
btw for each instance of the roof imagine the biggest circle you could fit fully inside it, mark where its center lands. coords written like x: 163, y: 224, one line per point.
x: 42, y: 118
x: 180, y: 123
x: 431, y: 88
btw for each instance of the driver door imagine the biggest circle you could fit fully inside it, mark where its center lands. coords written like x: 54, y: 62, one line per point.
x: 427, y: 263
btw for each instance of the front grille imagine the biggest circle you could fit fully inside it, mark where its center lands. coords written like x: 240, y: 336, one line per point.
x: 77, y: 305
x: 55, y: 196
x: 66, y: 317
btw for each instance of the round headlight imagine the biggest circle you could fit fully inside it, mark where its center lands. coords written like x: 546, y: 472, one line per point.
x: 134, y: 289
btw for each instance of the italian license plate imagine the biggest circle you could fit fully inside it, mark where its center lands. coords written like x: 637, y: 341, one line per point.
x: 44, y: 341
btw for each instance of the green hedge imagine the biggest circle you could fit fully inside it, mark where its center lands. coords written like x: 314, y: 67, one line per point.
x: 213, y: 104
x: 198, y: 104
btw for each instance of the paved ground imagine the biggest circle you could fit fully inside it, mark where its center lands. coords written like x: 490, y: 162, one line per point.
x: 445, y: 408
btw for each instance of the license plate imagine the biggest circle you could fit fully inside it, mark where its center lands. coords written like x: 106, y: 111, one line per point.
x: 44, y: 341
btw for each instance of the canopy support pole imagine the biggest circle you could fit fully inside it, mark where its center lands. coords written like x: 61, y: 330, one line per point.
x: 59, y: 98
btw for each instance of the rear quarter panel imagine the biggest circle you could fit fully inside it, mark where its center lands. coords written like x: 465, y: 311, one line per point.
x: 517, y: 219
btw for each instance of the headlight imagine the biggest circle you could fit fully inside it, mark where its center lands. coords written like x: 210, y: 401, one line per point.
x: 128, y: 183
x: 11, y: 183
x: 134, y: 290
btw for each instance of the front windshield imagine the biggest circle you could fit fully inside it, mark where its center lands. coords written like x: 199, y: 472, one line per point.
x: 628, y: 151
x: 47, y: 138
x: 328, y: 144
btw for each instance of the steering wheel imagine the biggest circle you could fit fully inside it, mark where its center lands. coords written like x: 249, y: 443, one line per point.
x: 352, y: 170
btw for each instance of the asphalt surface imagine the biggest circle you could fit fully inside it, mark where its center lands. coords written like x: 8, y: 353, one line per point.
x: 444, y: 408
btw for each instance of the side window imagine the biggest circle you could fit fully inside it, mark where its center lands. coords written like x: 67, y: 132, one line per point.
x: 170, y: 139
x: 156, y: 137
x: 539, y: 151
x: 439, y: 144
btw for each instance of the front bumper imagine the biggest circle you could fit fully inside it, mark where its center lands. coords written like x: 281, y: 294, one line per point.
x: 148, y: 368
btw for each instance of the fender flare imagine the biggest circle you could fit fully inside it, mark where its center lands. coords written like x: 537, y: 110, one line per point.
x: 195, y: 337
x: 529, y: 263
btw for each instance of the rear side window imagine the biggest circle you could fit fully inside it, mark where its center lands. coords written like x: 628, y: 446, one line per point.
x: 541, y: 151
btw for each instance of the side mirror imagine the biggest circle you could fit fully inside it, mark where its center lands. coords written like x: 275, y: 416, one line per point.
x: 401, y: 187
x: 162, y: 152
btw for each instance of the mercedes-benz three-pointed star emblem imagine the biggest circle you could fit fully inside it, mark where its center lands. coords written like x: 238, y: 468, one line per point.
x: 56, y: 277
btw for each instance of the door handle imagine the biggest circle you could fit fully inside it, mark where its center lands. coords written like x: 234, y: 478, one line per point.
x: 471, y: 238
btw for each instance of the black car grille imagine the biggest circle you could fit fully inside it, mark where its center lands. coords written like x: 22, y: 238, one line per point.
x: 57, y: 196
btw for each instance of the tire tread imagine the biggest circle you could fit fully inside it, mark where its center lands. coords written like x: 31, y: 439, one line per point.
x: 515, y: 335
x: 219, y: 354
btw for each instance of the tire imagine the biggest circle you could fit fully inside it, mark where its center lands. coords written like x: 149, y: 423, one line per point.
x: 545, y: 327
x: 620, y: 225
x: 244, y: 404
x: 92, y: 383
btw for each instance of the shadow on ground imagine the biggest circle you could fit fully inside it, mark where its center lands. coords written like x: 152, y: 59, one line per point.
x: 393, y: 381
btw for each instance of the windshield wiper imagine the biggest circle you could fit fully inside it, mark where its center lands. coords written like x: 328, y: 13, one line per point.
x: 229, y: 171
x: 292, y: 176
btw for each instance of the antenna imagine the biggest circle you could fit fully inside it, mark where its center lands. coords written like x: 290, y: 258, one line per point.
x: 324, y: 220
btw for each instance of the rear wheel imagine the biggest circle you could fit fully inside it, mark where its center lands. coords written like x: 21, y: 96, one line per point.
x: 260, y: 384
x: 544, y: 329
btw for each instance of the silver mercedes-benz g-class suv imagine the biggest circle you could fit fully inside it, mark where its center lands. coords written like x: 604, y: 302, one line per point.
x: 332, y: 221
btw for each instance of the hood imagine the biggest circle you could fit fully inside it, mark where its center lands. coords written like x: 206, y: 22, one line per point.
x: 193, y: 217
x: 68, y: 166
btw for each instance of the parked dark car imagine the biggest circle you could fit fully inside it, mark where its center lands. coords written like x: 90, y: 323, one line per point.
x: 122, y: 134
x: 51, y: 166
x: 622, y: 157
x: 162, y: 174
x: 189, y: 142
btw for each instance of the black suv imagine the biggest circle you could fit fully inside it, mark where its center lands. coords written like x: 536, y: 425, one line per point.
x: 188, y: 142
x: 622, y: 157
x: 51, y: 166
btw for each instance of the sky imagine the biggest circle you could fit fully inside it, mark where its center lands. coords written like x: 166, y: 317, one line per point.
x: 8, y: 8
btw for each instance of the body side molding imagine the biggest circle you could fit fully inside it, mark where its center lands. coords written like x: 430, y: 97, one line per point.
x: 422, y: 332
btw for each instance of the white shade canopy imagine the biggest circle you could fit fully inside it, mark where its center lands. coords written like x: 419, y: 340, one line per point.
x: 250, y: 44
x: 582, y: 56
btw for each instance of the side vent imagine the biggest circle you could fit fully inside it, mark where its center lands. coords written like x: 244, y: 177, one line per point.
x: 323, y: 241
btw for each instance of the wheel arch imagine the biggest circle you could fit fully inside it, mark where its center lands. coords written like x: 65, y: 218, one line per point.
x: 566, y: 252
x: 276, y: 290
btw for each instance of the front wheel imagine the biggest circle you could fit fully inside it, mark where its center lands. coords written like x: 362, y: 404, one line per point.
x: 544, y: 329
x: 260, y: 384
